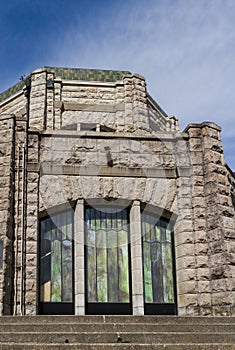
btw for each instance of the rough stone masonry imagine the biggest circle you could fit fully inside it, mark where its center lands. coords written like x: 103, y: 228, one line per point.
x: 74, y: 137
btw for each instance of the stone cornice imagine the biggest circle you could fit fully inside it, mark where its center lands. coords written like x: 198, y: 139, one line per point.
x: 171, y: 136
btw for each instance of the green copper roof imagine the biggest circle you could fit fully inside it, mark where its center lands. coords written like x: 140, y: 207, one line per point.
x: 88, y: 74
x: 72, y: 74
x: 12, y: 90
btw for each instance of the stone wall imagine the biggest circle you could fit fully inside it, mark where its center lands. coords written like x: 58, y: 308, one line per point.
x: 7, y: 138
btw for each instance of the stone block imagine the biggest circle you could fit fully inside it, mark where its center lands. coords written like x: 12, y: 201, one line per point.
x: 221, y: 299
x: 218, y: 285
x: 204, y: 300
x: 186, y: 249
x: 185, y: 262
x: 200, y: 237
x: 202, y: 261
x: 187, y: 287
x: 186, y: 275
x: 203, y: 274
x: 200, y: 224
x: 201, y: 249
x: 204, y: 286
x: 183, y: 238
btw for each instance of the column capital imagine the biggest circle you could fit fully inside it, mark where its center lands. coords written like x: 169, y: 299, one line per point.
x: 136, y: 203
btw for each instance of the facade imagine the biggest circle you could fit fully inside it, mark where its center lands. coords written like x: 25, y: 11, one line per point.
x: 105, y: 206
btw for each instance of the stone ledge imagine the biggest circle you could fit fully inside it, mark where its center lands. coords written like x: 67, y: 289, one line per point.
x: 54, y: 169
x: 159, y: 136
x: 7, y: 116
x: 72, y: 106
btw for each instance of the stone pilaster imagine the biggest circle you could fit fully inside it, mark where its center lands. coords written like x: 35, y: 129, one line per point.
x: 128, y: 98
x: 32, y: 229
x: 20, y: 215
x: 57, y: 104
x: 7, y: 150
x: 38, y: 94
x: 135, y: 98
x: 136, y: 259
x: 50, y: 101
x: 184, y: 250
x: 79, y: 253
x: 119, y: 101
x: 140, y: 110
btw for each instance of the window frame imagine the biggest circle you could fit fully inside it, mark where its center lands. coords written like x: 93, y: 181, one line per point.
x: 160, y: 308
x: 54, y: 307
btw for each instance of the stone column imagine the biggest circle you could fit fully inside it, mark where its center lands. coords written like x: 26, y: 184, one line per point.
x: 136, y: 259
x: 79, y: 254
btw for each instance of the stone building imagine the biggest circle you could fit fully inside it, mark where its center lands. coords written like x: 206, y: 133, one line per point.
x: 105, y: 206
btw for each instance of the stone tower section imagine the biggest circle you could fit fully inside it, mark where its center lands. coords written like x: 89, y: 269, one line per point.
x: 213, y: 222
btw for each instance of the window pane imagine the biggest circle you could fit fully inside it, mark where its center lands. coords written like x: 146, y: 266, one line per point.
x: 107, y: 255
x: 101, y: 266
x: 157, y: 260
x: 56, y: 255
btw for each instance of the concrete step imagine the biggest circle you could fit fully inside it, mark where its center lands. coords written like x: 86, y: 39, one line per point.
x: 109, y: 346
x: 118, y: 319
x: 123, y: 337
x: 116, y: 327
x: 117, y: 332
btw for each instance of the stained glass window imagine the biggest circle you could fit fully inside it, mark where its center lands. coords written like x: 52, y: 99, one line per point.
x: 157, y: 260
x: 107, y: 257
x: 56, y: 256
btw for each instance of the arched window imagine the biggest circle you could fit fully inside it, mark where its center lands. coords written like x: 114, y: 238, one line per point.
x: 108, y: 268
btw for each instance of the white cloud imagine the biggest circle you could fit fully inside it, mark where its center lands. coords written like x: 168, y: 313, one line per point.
x: 184, y: 48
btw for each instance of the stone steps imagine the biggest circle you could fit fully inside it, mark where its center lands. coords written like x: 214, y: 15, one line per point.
x: 117, y: 332
x: 123, y: 337
x: 118, y: 319
x: 109, y: 346
x: 116, y: 327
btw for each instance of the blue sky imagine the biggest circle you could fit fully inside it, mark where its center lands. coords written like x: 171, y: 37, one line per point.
x: 184, y: 48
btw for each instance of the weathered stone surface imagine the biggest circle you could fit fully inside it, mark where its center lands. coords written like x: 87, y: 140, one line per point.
x: 92, y: 142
